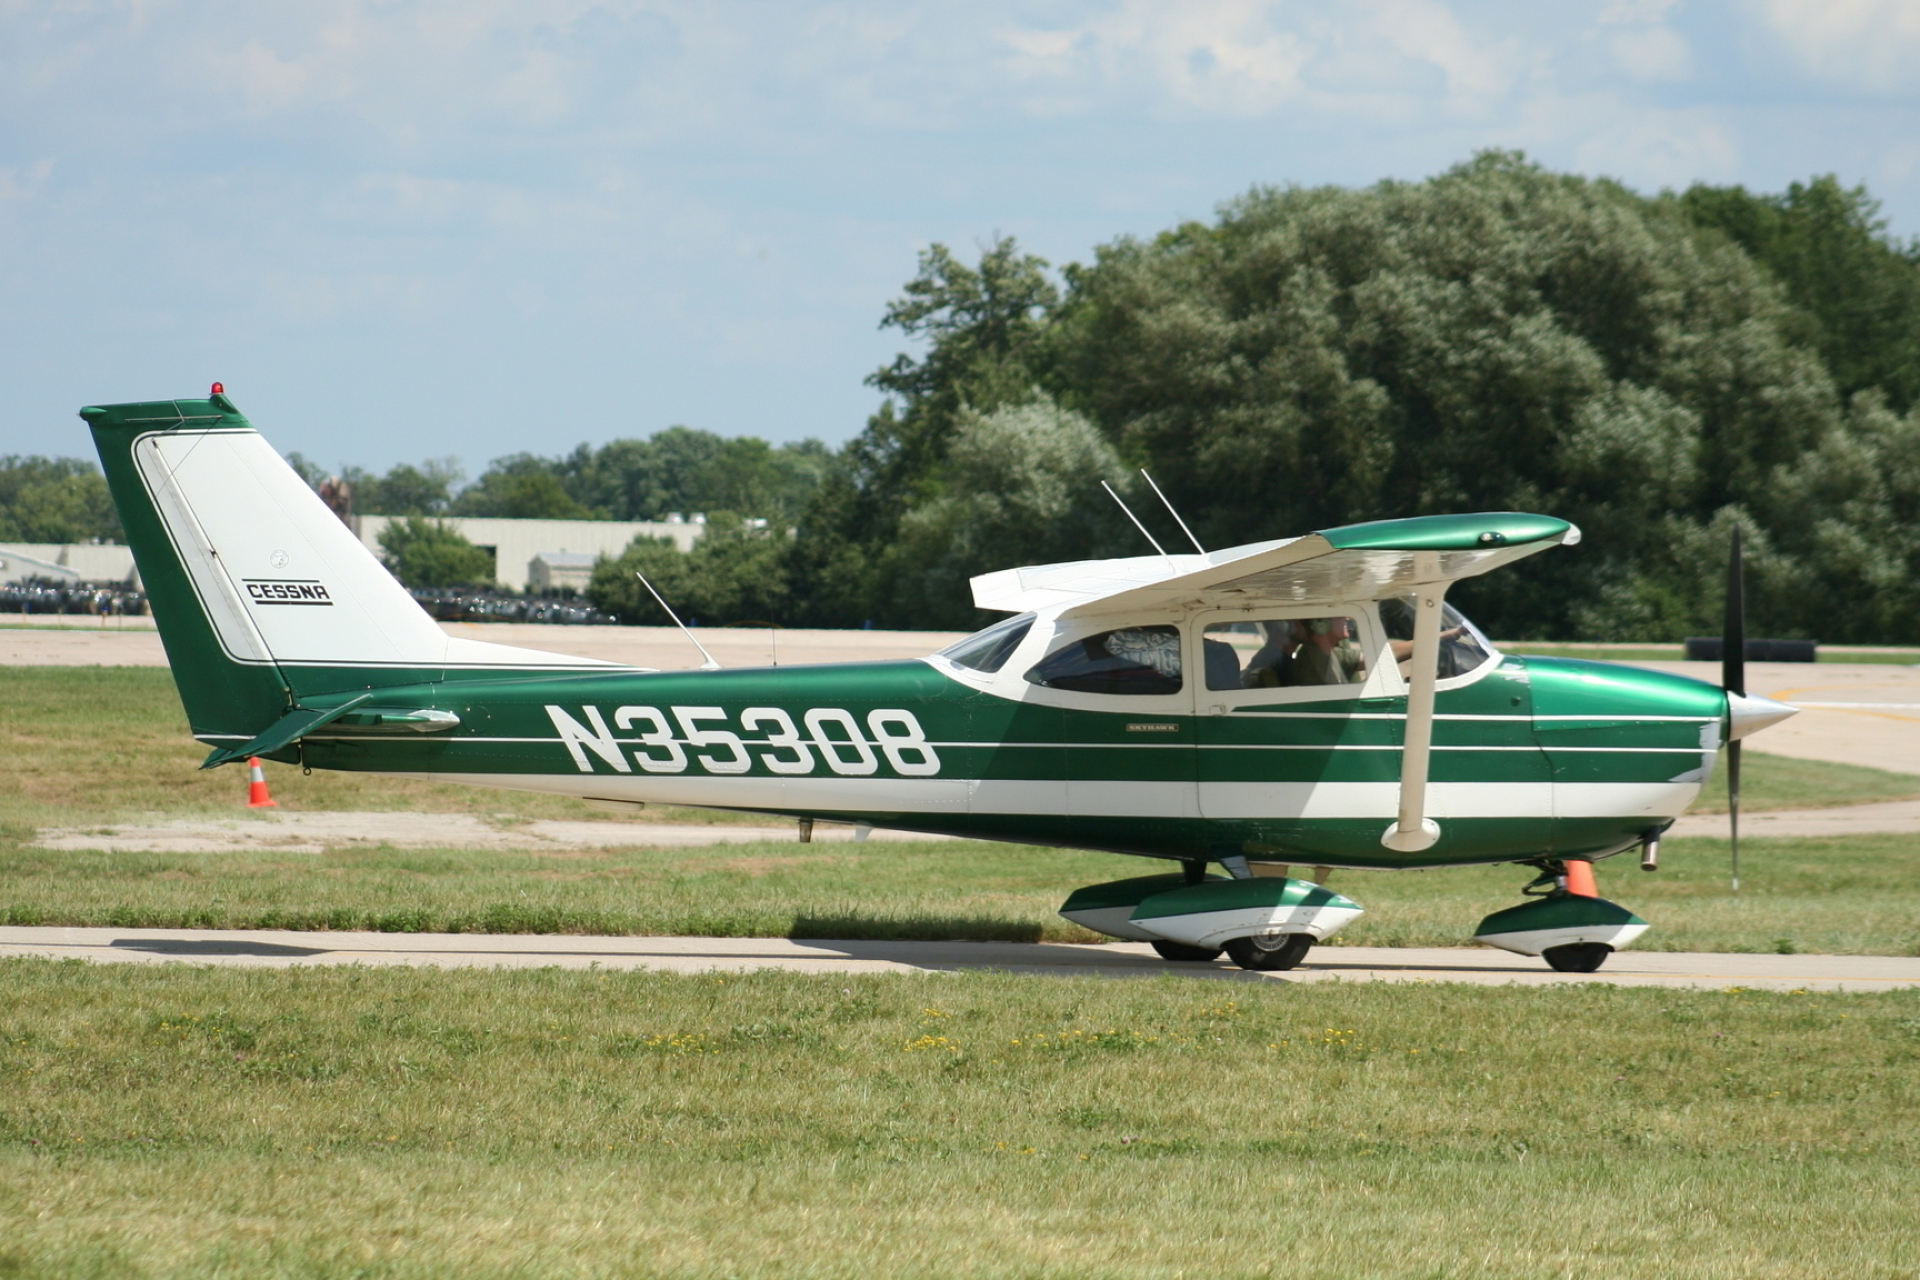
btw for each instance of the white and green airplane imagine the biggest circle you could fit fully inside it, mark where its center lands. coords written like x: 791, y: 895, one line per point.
x: 1307, y: 702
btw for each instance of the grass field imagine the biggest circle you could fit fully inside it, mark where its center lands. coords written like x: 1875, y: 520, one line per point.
x: 179, y: 1121
x: 1855, y: 896
x: 176, y: 1121
x: 57, y: 767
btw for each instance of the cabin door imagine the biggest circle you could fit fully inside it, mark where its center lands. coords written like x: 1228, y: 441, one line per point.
x: 1295, y: 717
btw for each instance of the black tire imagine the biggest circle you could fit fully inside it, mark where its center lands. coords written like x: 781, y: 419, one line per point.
x: 1281, y: 952
x: 1577, y: 957
x: 1181, y: 951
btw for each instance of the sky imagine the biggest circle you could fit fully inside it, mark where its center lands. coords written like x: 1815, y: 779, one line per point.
x: 415, y: 229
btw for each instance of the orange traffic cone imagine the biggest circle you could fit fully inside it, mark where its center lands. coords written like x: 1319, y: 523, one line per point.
x: 1580, y: 879
x: 257, y: 797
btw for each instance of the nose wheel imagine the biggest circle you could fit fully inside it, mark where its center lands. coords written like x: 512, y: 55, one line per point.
x: 1577, y: 957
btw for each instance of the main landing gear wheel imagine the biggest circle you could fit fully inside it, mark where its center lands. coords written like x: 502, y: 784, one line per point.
x: 1281, y: 952
x: 1182, y: 951
x: 1577, y: 957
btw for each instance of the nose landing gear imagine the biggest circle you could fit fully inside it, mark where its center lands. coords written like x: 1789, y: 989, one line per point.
x: 1567, y: 924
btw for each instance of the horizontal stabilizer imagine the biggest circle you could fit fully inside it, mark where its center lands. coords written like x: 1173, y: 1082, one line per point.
x: 297, y: 723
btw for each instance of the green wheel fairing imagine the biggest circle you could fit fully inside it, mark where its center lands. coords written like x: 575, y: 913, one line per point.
x: 1214, y: 913
x: 1108, y: 908
x: 1559, y: 920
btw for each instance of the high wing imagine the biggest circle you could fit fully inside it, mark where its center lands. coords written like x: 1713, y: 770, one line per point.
x: 1354, y: 562
x: 1419, y: 557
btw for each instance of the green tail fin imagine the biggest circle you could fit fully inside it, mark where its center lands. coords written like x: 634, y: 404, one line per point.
x: 265, y: 601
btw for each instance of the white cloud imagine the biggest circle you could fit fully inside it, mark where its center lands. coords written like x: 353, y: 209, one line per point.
x: 1652, y: 53
x: 1477, y: 73
x: 19, y: 185
x: 1653, y: 147
x: 1871, y: 44
x: 1636, y: 11
x: 1215, y: 55
x: 267, y: 81
x: 1379, y: 58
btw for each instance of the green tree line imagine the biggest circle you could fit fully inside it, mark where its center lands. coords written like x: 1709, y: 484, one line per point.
x: 678, y: 470
x: 55, y: 500
x: 1656, y: 369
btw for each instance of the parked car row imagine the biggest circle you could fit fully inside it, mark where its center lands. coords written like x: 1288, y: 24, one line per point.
x: 45, y: 595
x: 448, y: 604
x: 42, y: 595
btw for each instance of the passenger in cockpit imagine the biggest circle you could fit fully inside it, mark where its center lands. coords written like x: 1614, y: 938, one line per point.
x: 1268, y: 668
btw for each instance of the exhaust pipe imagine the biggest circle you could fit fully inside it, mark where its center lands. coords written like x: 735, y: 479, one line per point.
x: 1650, y: 850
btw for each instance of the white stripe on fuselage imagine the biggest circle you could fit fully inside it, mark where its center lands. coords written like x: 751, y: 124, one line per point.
x: 1125, y: 799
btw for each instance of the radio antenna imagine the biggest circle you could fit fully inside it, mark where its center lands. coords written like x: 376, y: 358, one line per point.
x: 1136, y: 522
x: 710, y: 664
x: 1175, y: 514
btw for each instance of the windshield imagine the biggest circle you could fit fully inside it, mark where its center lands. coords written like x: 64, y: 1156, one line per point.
x: 1462, y: 647
x: 987, y: 651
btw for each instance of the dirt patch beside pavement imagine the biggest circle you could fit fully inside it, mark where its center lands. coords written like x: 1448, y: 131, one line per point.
x: 317, y: 832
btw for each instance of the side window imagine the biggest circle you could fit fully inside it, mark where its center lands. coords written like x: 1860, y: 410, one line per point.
x: 1129, y: 660
x: 1284, y: 653
x: 1462, y: 648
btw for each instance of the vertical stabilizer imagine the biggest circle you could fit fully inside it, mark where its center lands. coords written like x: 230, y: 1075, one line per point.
x: 262, y: 596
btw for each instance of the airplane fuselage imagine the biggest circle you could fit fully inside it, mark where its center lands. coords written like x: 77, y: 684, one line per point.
x: 1535, y: 757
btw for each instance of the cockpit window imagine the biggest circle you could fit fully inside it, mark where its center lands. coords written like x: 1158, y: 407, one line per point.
x: 1284, y: 653
x: 1462, y: 647
x: 987, y: 651
x: 1129, y: 660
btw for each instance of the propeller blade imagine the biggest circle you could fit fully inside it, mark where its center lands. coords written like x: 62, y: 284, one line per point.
x: 1733, y: 676
x: 1733, y: 634
x: 1733, y: 807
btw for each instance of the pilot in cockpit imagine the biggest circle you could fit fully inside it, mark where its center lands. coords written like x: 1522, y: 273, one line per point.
x: 1328, y: 653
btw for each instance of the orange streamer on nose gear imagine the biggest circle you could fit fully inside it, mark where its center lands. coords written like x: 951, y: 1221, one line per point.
x: 1580, y: 880
x: 257, y: 797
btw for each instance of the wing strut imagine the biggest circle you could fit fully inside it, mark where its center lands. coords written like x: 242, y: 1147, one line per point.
x: 1414, y: 830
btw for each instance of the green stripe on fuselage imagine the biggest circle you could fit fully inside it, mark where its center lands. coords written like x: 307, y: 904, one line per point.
x: 1063, y: 757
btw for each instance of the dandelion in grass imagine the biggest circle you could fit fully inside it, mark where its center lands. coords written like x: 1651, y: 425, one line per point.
x: 931, y: 1044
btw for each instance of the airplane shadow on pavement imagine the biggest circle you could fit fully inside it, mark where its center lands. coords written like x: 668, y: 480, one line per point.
x: 213, y: 947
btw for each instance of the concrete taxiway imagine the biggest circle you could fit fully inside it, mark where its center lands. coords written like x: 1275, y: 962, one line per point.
x: 285, y: 949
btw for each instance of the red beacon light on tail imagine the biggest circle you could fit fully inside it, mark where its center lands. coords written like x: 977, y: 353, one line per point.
x: 219, y: 389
